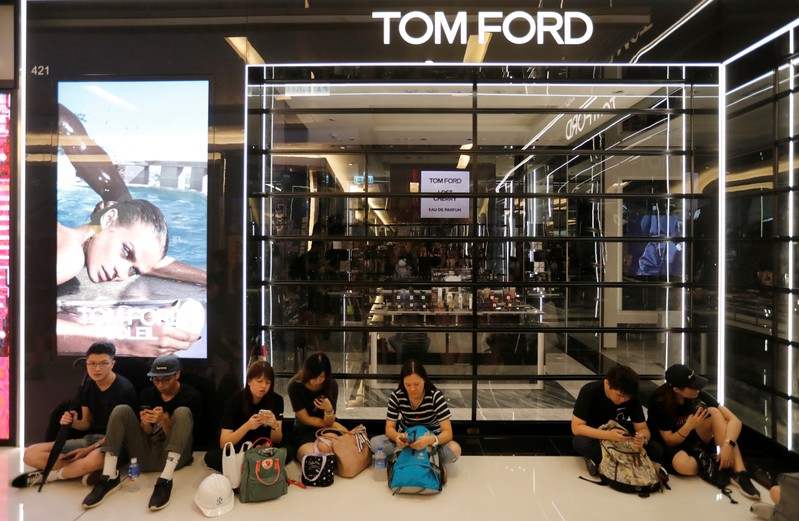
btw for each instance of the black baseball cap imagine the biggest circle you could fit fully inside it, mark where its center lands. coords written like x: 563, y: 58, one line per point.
x: 681, y: 376
x: 165, y: 366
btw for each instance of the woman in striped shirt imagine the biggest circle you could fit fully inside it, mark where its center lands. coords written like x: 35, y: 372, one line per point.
x: 416, y: 401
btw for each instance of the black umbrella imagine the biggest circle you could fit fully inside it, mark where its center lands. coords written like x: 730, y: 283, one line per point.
x: 63, y: 431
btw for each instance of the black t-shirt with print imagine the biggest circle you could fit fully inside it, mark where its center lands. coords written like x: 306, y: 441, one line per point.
x: 595, y: 408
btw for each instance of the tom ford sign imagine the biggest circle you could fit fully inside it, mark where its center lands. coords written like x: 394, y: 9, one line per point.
x: 518, y: 27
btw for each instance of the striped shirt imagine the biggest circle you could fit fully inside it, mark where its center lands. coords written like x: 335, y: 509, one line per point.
x: 430, y: 413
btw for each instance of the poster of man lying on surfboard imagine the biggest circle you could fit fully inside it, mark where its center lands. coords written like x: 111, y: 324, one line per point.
x: 131, y: 257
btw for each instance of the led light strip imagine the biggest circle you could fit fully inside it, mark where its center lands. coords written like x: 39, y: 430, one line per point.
x: 668, y: 32
x: 21, y: 223
x: 722, y: 224
x: 791, y: 231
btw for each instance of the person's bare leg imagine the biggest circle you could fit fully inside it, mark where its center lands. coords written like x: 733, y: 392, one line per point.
x: 36, y: 456
x: 93, y: 461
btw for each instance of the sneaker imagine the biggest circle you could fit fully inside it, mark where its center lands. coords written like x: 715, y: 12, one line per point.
x: 591, y: 467
x: 742, y: 481
x: 762, y: 510
x: 91, y: 478
x: 161, y: 493
x: 28, y: 479
x: 102, y: 489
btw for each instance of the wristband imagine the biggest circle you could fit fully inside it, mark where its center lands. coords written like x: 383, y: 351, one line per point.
x: 331, y: 413
x: 435, y: 443
x: 731, y: 442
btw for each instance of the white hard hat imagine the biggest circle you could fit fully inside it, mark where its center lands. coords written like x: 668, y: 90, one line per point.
x: 214, y: 496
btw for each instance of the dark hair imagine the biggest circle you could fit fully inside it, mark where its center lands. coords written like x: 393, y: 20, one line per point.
x: 314, y: 365
x: 138, y: 211
x: 258, y: 369
x: 665, y: 398
x: 623, y: 379
x: 102, y: 348
x: 415, y: 367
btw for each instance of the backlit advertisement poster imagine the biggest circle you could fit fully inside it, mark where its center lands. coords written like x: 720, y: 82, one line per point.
x: 131, y: 257
x: 5, y: 263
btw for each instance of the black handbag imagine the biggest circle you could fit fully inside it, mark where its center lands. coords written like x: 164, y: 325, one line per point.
x: 318, y: 468
x: 709, y: 470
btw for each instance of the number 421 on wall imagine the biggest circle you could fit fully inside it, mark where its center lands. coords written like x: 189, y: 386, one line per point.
x: 41, y: 70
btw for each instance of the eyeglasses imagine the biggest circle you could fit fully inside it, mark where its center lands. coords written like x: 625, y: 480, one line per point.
x: 161, y: 379
x: 102, y: 364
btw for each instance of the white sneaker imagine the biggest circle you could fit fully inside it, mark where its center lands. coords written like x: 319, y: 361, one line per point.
x: 762, y: 510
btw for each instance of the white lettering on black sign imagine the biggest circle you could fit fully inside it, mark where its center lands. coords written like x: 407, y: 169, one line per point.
x: 567, y: 28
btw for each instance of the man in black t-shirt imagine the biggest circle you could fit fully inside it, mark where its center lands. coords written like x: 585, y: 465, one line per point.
x: 159, y: 436
x: 101, y: 392
x: 613, y: 398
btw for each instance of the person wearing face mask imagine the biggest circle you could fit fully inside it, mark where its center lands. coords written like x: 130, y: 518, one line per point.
x: 313, y: 393
x: 252, y: 413
x: 416, y: 401
x: 613, y: 398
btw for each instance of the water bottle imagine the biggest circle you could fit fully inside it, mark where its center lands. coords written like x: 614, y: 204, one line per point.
x: 134, y: 471
x: 380, y: 465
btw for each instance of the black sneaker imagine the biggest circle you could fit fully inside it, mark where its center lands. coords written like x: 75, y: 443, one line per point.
x: 591, y: 467
x: 105, y: 487
x: 741, y: 479
x: 161, y: 493
x: 28, y: 479
x: 91, y: 478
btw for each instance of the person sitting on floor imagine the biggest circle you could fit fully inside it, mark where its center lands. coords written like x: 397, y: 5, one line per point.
x: 613, y: 398
x: 160, y: 436
x: 101, y: 392
x: 416, y: 401
x: 687, y: 417
x: 313, y: 393
x: 252, y: 413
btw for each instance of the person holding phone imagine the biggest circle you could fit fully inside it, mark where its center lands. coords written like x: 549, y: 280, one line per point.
x: 252, y: 413
x: 613, y: 398
x: 102, y: 390
x: 687, y: 417
x: 159, y: 436
x: 416, y: 401
x: 313, y: 393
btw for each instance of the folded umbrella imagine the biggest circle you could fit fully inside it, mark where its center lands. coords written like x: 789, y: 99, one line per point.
x: 63, y: 432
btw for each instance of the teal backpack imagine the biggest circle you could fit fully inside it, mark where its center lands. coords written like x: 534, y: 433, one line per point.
x: 416, y: 471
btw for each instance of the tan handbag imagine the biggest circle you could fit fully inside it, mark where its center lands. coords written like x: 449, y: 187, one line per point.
x: 350, y: 447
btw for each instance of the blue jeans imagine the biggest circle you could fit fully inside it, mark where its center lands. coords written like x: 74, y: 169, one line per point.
x: 445, y: 455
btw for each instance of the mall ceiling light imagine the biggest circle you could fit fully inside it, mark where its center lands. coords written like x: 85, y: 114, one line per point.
x: 245, y: 51
x: 463, y: 160
x: 476, y: 51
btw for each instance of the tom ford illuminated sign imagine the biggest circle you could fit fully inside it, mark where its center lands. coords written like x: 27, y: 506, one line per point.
x: 518, y: 27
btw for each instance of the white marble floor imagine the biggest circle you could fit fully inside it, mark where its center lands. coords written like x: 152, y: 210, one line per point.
x: 480, y: 487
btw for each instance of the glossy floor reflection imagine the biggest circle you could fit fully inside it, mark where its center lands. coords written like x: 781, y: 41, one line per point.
x: 480, y: 487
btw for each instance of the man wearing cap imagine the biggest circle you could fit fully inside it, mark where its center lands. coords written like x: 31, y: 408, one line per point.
x: 614, y: 398
x: 688, y: 418
x: 160, y: 435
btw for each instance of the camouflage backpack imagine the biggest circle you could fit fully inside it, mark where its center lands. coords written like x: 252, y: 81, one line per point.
x: 627, y: 468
